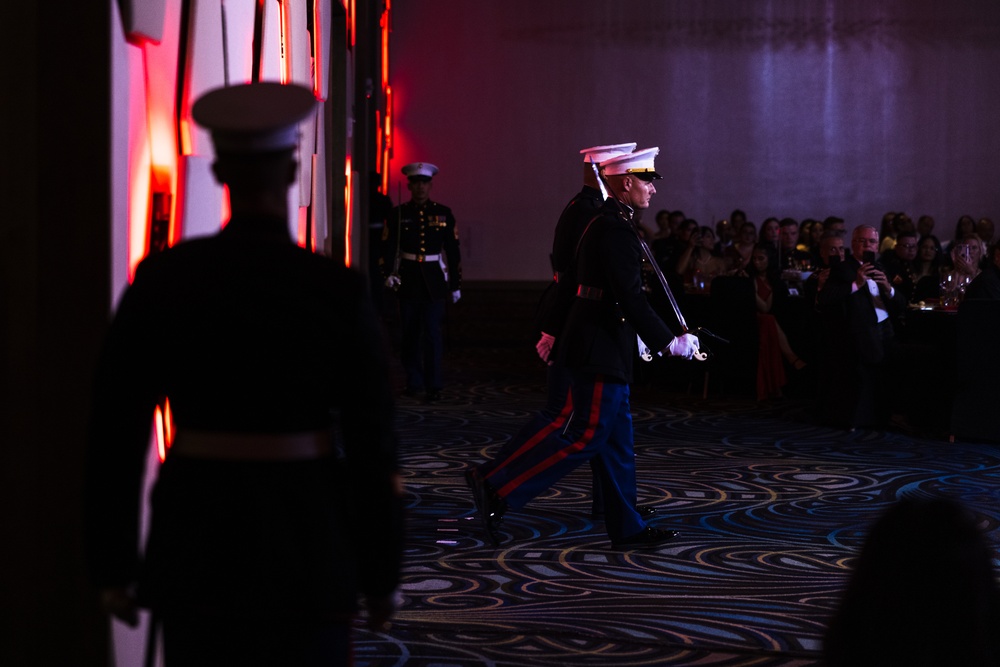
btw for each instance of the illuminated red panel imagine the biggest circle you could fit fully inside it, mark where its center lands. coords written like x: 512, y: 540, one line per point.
x: 379, y: 135
x: 348, y: 210
x: 384, y: 29
x: 163, y: 429
x: 352, y: 23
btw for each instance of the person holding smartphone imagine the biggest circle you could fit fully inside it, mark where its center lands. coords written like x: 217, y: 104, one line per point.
x: 860, y: 311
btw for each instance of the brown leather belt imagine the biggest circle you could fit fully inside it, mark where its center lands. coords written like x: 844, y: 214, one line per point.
x: 593, y: 293
x: 227, y: 446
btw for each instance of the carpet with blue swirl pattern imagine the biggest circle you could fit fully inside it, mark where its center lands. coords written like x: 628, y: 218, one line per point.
x: 771, y: 509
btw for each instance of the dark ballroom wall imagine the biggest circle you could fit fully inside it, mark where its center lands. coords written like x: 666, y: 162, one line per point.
x: 54, y: 301
x: 779, y: 107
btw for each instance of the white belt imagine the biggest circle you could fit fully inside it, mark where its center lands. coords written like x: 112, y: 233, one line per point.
x: 419, y: 258
x: 230, y: 446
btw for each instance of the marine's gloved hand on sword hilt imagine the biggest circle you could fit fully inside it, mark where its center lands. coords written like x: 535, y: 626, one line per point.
x: 685, y: 346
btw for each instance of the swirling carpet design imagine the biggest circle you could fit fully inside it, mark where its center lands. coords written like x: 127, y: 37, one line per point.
x: 771, y: 509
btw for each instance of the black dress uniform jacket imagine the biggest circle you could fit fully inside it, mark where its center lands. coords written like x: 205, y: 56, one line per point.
x: 246, y: 332
x: 600, y: 332
x: 418, y: 231
x: 558, y: 298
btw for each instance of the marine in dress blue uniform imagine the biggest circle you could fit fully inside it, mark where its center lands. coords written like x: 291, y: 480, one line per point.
x: 264, y: 528
x: 421, y: 260
x: 554, y: 307
x: 598, y: 344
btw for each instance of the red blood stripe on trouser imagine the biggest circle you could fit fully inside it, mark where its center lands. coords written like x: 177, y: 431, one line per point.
x: 554, y: 425
x: 593, y: 416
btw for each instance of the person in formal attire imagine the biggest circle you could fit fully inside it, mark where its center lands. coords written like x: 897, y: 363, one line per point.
x: 725, y: 234
x: 789, y: 255
x: 964, y: 227
x: 698, y: 263
x: 927, y: 269
x: 267, y: 519
x: 773, y: 345
x: 422, y: 262
x: 966, y: 258
x: 986, y: 285
x: 664, y: 241
x: 555, y: 306
x: 925, y: 225
x: 739, y: 253
x: 898, y: 263
x: 861, y: 311
x: 598, y: 343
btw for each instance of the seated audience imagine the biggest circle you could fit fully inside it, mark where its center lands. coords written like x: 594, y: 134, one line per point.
x: 898, y: 262
x: 966, y: 257
x: 740, y: 251
x: 887, y: 232
x: 965, y: 226
x: 773, y: 344
x: 860, y: 312
x: 985, y: 230
x: 927, y: 269
x: 699, y: 259
x: 923, y: 592
x: 725, y: 232
x: 832, y: 225
x: 665, y: 239
x: 925, y: 226
x: 987, y: 284
x: 789, y: 256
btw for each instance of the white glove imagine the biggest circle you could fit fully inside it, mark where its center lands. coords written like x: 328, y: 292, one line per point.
x: 644, y: 352
x: 393, y: 281
x: 544, y: 346
x: 456, y: 295
x: 685, y: 346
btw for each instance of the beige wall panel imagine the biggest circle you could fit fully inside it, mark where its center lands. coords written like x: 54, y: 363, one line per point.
x: 239, y: 27
x: 321, y: 227
x: 298, y: 43
x: 321, y: 44
x: 307, y: 146
x: 207, y: 57
x: 270, y: 63
x: 200, y: 204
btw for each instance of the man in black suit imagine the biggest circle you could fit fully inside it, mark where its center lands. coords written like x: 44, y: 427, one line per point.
x: 598, y: 344
x: 264, y: 531
x: 860, y: 309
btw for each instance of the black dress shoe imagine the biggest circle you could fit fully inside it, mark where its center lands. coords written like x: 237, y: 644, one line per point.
x: 432, y: 395
x: 490, y: 506
x: 412, y: 391
x: 645, y: 511
x: 647, y: 538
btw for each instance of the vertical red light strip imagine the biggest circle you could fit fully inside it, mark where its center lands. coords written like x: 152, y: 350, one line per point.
x: 353, y: 24
x: 348, y: 210
x: 163, y: 429
x: 286, y: 38
x: 385, y: 131
x: 387, y: 146
x: 379, y: 135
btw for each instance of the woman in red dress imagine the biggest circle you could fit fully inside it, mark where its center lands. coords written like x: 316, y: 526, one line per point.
x: 773, y: 347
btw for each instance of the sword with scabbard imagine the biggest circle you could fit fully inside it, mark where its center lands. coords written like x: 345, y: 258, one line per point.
x: 700, y: 356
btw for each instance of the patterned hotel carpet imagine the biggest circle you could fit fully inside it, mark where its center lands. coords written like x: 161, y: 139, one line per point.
x: 771, y: 511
